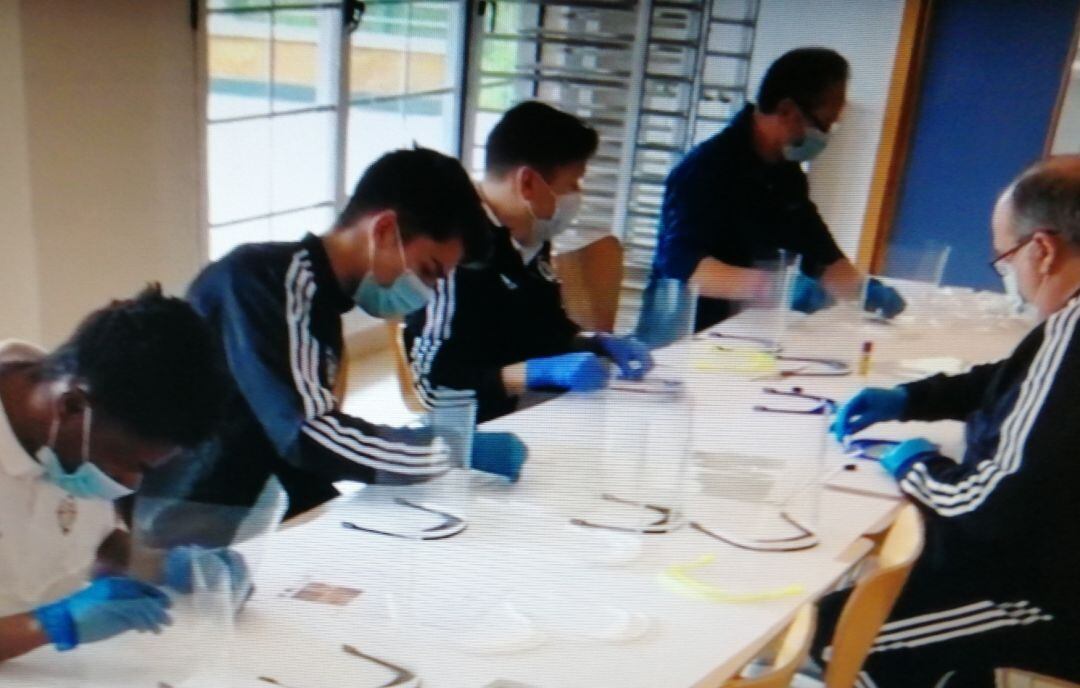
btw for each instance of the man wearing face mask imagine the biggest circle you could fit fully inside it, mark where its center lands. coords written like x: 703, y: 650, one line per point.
x: 500, y: 329
x: 276, y: 309
x: 135, y: 383
x: 996, y: 585
x: 738, y: 198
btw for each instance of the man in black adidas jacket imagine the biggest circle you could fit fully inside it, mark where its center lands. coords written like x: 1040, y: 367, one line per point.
x: 500, y: 329
x: 997, y: 585
x: 276, y: 309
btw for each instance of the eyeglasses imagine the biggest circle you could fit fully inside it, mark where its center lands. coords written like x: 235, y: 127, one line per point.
x: 996, y: 265
x: 807, y: 404
x: 451, y: 525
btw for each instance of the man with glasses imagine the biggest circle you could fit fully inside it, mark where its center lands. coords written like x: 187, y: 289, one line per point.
x: 740, y: 197
x: 996, y: 585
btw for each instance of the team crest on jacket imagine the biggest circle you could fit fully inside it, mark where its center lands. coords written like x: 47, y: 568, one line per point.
x: 543, y: 266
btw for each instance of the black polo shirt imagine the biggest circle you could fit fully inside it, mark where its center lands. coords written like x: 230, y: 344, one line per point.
x: 723, y: 201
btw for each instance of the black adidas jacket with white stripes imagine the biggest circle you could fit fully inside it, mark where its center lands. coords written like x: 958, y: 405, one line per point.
x: 484, y: 318
x: 1006, y: 514
x: 277, y: 309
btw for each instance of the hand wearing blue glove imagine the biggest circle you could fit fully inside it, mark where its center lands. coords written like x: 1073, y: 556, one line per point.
x: 501, y: 453
x: 578, y: 372
x: 898, y: 459
x: 883, y: 299
x: 108, y: 607
x: 181, y: 563
x: 632, y: 356
x: 808, y: 296
x: 871, y: 405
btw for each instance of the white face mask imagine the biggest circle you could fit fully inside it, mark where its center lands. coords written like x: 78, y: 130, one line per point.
x: 567, y: 207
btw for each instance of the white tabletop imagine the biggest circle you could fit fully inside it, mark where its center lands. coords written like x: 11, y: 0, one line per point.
x: 522, y: 598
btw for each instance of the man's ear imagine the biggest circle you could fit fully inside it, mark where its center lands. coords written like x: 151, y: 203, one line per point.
x: 72, y: 402
x: 787, y: 109
x: 1050, y: 251
x: 384, y: 228
x: 525, y: 179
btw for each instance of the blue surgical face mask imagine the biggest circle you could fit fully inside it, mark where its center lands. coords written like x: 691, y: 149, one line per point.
x: 406, y: 294
x: 87, y: 481
x: 813, y: 142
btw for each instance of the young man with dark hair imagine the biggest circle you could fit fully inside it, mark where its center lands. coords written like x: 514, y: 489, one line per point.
x: 996, y: 584
x: 500, y: 329
x: 740, y: 197
x: 276, y: 309
x: 137, y: 381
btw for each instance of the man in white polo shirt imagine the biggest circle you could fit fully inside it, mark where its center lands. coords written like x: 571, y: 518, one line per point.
x: 137, y: 381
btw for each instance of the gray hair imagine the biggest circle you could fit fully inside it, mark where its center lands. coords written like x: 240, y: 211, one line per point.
x: 1047, y: 196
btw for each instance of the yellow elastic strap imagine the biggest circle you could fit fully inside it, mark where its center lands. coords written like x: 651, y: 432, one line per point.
x: 680, y: 579
x: 738, y: 362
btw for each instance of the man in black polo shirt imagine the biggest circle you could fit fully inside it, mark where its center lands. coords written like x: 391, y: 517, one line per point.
x: 741, y: 196
x: 500, y: 328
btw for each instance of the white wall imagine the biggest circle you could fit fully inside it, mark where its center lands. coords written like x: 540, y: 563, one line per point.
x: 1067, y: 135
x: 866, y: 33
x: 112, y: 136
x: 19, y: 306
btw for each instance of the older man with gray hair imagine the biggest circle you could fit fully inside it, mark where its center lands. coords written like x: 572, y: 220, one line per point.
x: 998, y: 584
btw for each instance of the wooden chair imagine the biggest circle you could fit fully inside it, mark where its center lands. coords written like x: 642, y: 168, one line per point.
x: 1014, y: 678
x: 591, y: 280
x: 396, y: 331
x: 873, y: 597
x: 792, y: 649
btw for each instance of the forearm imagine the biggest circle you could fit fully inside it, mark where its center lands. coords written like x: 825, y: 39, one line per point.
x: 718, y: 280
x: 843, y: 280
x: 20, y: 634
x: 514, y: 379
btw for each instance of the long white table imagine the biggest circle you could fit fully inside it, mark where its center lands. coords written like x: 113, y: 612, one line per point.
x: 522, y: 598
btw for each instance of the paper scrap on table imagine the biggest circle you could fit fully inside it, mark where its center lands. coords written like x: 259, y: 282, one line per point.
x: 949, y: 365
x: 324, y: 593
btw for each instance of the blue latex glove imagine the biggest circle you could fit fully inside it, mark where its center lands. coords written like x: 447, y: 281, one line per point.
x: 871, y: 405
x: 808, y: 296
x: 501, y: 453
x: 108, y: 607
x: 632, y: 357
x: 181, y: 561
x: 579, y: 372
x: 883, y: 299
x: 898, y: 459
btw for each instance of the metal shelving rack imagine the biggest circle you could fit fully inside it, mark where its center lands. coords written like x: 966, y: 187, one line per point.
x: 654, y: 77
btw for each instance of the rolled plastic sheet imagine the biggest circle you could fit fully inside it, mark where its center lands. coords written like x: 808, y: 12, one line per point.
x: 668, y: 309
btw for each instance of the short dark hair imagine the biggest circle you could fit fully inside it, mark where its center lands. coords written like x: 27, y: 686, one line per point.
x: 1047, y: 196
x: 538, y: 136
x: 151, y: 364
x: 431, y: 194
x: 803, y: 75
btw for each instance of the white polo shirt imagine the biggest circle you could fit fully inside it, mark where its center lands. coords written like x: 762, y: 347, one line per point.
x: 48, y: 539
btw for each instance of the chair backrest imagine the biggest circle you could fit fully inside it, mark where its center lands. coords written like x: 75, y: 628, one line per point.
x: 873, y: 598
x: 793, y: 647
x: 396, y: 330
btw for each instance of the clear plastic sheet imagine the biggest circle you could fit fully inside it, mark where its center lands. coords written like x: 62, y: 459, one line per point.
x: 668, y: 309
